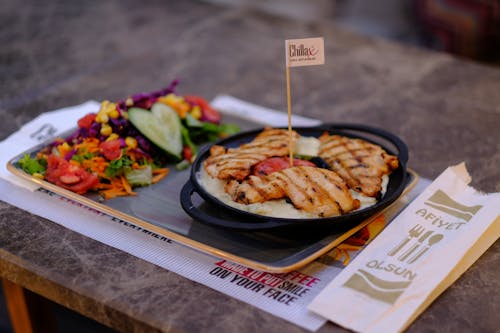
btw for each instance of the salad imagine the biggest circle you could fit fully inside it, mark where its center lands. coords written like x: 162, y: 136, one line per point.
x: 128, y: 143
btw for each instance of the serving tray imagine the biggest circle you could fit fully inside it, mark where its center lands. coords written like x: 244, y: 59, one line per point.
x: 157, y: 209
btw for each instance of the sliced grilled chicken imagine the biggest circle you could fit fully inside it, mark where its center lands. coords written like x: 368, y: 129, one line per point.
x: 315, y: 190
x: 236, y: 163
x: 360, y: 163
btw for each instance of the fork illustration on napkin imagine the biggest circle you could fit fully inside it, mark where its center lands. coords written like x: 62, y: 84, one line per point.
x: 417, y: 233
x: 412, y: 233
x: 408, y: 252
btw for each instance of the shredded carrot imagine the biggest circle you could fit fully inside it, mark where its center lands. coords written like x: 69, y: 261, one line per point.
x: 159, y: 174
x: 135, y: 155
x: 63, y: 149
x: 159, y: 171
x: 90, y: 145
x: 118, y: 187
x: 126, y: 185
x: 96, y: 164
x: 110, y: 194
x: 104, y: 186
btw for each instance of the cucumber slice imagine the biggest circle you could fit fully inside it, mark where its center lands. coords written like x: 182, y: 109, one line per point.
x: 161, y: 125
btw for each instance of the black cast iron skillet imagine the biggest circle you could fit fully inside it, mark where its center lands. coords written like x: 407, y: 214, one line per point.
x: 223, y: 215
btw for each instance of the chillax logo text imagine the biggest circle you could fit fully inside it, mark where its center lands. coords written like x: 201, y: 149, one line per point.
x: 305, y: 52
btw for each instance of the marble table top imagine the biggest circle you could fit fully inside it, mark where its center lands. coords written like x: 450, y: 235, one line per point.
x: 56, y: 54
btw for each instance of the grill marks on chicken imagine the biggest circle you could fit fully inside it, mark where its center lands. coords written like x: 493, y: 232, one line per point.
x: 361, y: 164
x: 236, y: 163
x: 355, y: 164
x: 314, y: 190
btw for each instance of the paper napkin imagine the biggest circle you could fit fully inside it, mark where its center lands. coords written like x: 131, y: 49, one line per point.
x: 43, y: 128
x: 423, y: 251
x: 259, y: 114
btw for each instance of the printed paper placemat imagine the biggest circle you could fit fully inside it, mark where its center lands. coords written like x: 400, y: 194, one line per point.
x: 284, y: 295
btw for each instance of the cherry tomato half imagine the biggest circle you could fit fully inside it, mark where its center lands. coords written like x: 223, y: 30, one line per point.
x: 87, y: 120
x: 111, y: 149
x: 187, y: 153
x: 207, y: 112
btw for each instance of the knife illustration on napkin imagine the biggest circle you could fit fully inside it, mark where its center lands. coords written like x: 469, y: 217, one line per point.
x: 433, y: 240
x: 412, y: 233
x: 415, y: 246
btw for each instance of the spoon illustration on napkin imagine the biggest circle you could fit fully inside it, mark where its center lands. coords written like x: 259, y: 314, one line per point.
x: 412, y: 233
x: 415, y: 246
x: 433, y: 240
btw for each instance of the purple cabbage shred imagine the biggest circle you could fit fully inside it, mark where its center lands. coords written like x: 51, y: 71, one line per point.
x: 146, y: 100
x: 70, y: 154
x: 94, y: 130
x: 143, y: 143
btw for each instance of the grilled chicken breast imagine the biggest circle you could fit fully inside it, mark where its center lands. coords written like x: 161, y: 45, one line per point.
x: 360, y: 163
x: 312, y: 189
x: 236, y: 163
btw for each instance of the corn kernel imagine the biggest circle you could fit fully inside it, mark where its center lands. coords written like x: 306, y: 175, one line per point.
x: 114, y: 114
x: 162, y: 99
x: 131, y: 142
x: 102, y: 117
x: 173, y: 99
x: 38, y: 175
x: 182, y: 112
x: 196, y: 112
x: 63, y: 149
x: 66, y: 146
x: 113, y: 136
x: 109, y: 108
x: 183, y: 107
x: 104, y: 105
x: 106, y: 130
x: 129, y: 102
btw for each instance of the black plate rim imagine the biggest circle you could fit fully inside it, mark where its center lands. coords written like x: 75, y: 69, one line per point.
x: 248, y: 220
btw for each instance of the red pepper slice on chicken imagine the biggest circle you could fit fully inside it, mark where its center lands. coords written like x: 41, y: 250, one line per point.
x: 274, y: 164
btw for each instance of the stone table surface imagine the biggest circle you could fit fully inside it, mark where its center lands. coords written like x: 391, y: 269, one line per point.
x: 60, y: 53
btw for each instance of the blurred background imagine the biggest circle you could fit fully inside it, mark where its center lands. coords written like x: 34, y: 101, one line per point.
x: 468, y: 29
x: 465, y: 28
